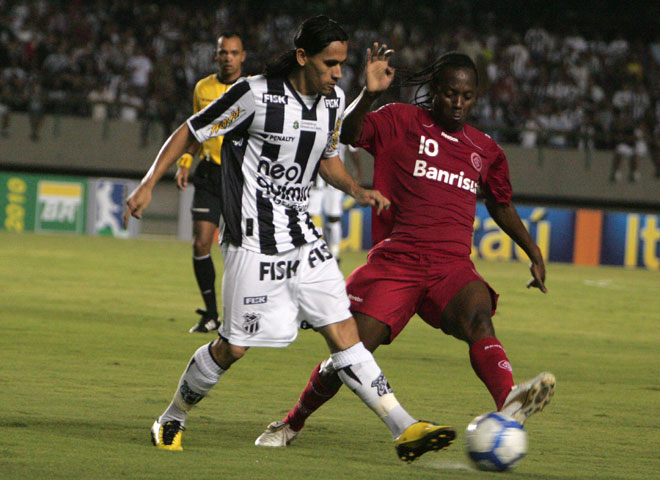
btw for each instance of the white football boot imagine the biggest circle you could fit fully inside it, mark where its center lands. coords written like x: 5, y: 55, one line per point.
x: 277, y: 434
x: 530, y: 397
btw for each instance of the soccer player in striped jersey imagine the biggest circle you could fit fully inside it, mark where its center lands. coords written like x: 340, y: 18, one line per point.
x: 430, y: 163
x: 206, y: 215
x: 281, y: 129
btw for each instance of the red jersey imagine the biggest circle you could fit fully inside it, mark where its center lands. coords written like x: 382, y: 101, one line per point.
x: 432, y: 178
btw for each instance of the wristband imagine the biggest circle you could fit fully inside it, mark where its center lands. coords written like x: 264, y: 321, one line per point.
x: 185, y: 161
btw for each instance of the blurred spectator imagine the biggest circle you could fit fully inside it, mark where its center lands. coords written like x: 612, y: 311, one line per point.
x: 5, y: 109
x: 641, y: 152
x: 530, y: 132
x: 36, y: 104
x: 588, y: 132
x: 623, y: 134
x: 540, y: 42
x: 130, y: 104
x: 139, y: 68
x: 100, y: 100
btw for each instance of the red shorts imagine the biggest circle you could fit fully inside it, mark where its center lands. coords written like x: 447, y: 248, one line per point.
x: 393, y: 287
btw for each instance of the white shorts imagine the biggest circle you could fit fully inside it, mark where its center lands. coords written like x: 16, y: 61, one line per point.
x: 265, y: 297
x: 327, y: 200
x: 641, y: 148
x: 624, y: 149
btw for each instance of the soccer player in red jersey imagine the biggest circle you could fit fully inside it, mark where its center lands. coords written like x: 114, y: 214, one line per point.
x: 430, y: 164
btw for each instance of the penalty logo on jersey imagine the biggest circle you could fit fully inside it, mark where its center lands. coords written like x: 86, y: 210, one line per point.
x: 251, y: 323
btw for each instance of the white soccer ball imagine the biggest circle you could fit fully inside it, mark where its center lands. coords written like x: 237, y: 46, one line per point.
x: 495, y: 442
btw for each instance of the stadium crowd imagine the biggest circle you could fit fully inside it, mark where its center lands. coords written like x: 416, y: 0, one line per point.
x: 139, y: 61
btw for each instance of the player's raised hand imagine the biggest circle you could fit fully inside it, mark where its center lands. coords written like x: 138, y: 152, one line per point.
x: 372, y: 198
x: 137, y: 201
x: 378, y: 72
x: 538, y: 276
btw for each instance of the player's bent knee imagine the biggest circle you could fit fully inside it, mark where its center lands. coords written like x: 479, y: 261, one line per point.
x: 202, y: 246
x: 479, y: 326
x: 341, y: 335
x: 226, y: 354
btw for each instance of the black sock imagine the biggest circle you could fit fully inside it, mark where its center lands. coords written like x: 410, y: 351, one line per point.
x: 205, y: 275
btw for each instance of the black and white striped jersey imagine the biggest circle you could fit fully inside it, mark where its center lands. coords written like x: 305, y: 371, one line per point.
x: 274, y: 142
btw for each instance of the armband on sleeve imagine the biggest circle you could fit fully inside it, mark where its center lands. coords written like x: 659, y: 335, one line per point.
x: 184, y: 161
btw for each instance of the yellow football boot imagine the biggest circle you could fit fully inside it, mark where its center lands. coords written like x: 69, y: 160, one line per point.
x: 421, y: 437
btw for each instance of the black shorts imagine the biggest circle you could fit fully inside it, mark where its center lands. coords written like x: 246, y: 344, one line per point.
x: 207, y: 200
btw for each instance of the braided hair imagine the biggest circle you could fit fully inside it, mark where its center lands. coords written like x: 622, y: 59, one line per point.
x: 313, y: 35
x: 426, y: 79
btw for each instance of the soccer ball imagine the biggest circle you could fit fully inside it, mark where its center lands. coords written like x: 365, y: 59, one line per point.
x: 495, y: 442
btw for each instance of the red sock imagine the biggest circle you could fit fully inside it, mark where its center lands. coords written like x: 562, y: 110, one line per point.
x: 315, y: 394
x: 489, y: 362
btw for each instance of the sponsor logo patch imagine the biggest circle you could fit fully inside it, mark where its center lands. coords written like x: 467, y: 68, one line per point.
x: 505, y: 365
x: 279, y: 138
x: 251, y: 322
x: 255, y: 300
x: 319, y: 255
x: 228, y: 120
x: 278, y: 270
x: 188, y: 395
x: 381, y: 385
x: 310, y: 125
x: 449, y: 137
x: 475, y: 158
x: 423, y: 169
x: 331, y: 103
x: 273, y: 98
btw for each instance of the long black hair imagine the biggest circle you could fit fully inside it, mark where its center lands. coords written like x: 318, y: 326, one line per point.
x: 313, y: 35
x: 427, y: 79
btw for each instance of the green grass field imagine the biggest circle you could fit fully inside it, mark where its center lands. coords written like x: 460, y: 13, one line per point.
x: 94, y: 338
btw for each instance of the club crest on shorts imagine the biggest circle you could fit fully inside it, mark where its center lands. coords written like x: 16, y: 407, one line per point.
x: 382, y: 385
x: 251, y: 323
x: 475, y: 158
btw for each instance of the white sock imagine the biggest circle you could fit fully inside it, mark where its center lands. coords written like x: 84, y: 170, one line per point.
x: 359, y: 371
x: 200, y: 376
x: 332, y: 236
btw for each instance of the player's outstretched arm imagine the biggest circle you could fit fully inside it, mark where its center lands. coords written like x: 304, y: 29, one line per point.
x: 379, y: 75
x: 333, y: 171
x: 179, y: 142
x: 507, y: 218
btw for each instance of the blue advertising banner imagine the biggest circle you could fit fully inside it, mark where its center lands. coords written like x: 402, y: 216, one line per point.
x: 631, y: 240
x: 553, y: 230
